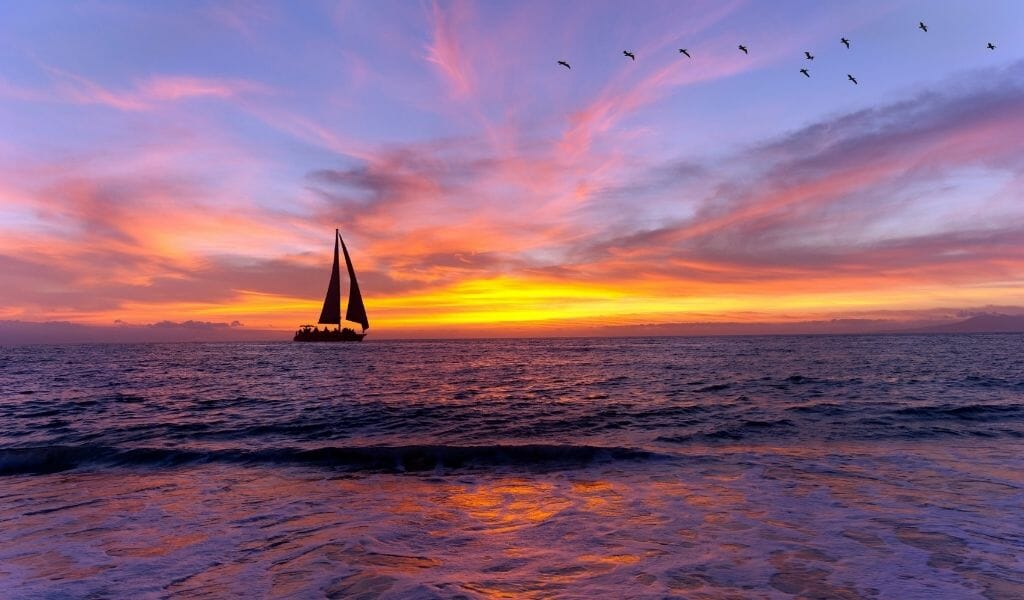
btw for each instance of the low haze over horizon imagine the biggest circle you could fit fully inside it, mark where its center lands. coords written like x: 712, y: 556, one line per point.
x: 190, y: 162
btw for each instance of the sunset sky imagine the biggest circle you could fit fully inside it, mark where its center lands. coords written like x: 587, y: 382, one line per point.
x: 190, y: 161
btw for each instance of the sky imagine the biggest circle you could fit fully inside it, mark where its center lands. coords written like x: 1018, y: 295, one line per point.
x: 189, y: 161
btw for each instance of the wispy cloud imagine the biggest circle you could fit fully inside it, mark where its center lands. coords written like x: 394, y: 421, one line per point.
x: 444, y: 50
x: 166, y: 89
x: 142, y: 95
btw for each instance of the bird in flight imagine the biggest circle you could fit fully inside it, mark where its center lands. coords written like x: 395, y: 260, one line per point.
x: 852, y: 78
x: 804, y: 71
x: 991, y: 46
x: 922, y: 26
x: 845, y: 42
x: 686, y: 52
x: 743, y: 48
x: 629, y: 54
x: 564, y: 64
x: 809, y: 56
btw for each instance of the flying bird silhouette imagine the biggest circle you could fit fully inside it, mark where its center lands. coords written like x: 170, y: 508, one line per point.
x: 991, y: 46
x: 845, y: 42
x: 922, y: 26
x: 686, y: 52
x: 809, y: 56
x: 629, y: 54
x: 804, y: 71
x: 743, y: 48
x: 852, y: 78
x: 564, y: 64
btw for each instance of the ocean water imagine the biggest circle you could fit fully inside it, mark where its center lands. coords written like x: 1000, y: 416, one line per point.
x: 747, y: 467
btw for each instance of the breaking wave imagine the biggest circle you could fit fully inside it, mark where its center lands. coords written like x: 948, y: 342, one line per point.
x: 51, y: 459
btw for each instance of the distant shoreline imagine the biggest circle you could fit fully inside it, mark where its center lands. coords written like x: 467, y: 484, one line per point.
x: 19, y: 333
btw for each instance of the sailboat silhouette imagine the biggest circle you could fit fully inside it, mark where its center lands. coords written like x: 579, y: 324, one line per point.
x: 331, y: 312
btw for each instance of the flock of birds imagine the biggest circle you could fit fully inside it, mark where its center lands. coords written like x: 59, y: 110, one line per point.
x: 807, y: 55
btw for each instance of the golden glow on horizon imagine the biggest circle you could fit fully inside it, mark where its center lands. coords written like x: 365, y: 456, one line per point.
x: 538, y: 304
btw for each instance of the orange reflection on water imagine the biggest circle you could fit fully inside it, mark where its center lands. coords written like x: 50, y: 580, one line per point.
x: 507, y: 505
x: 598, y: 497
x: 806, y: 527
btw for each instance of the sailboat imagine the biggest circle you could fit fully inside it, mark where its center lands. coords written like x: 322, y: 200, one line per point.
x: 331, y: 313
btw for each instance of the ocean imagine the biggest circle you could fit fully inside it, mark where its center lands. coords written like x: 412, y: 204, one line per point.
x: 729, y: 467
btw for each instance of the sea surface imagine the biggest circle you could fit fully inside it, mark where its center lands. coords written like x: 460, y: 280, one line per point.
x: 732, y: 467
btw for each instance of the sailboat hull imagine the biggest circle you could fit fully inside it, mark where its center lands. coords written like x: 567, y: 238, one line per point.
x: 313, y: 335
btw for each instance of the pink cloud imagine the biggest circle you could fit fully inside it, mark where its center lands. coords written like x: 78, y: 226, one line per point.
x: 80, y: 90
x: 445, y: 52
x: 143, y: 95
x: 165, y: 89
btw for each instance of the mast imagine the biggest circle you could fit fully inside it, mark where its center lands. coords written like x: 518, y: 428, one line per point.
x: 355, y: 312
x: 331, y: 313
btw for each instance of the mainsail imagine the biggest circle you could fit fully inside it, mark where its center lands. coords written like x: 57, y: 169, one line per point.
x: 331, y: 313
x: 355, y: 312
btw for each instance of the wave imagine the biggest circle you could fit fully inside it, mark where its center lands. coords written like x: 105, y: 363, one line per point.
x: 966, y: 412
x: 716, y: 387
x: 397, y: 459
x: 734, y: 432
